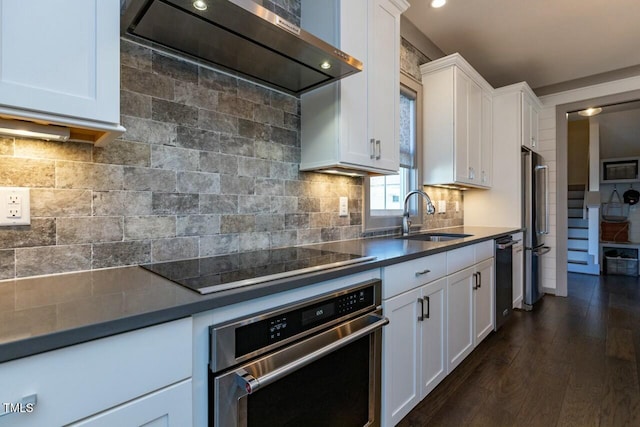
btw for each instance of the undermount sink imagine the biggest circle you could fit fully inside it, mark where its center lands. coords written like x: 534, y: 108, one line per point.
x: 435, y: 237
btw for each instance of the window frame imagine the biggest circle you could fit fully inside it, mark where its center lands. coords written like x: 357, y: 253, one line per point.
x: 412, y: 87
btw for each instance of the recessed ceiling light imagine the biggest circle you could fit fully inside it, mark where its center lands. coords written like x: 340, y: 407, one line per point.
x: 590, y: 112
x: 325, y: 65
x: 438, y: 3
x: 200, y: 5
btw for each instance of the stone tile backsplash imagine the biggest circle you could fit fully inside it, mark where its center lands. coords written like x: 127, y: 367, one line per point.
x: 450, y: 218
x: 208, y: 166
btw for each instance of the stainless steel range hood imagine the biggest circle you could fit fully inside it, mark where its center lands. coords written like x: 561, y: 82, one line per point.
x: 240, y: 36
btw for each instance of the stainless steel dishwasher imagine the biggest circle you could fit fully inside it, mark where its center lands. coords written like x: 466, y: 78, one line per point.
x: 504, y: 279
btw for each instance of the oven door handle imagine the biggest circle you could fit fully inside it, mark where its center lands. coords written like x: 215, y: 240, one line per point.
x: 252, y: 384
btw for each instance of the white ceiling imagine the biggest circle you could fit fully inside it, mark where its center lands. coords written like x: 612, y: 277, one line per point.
x: 543, y: 42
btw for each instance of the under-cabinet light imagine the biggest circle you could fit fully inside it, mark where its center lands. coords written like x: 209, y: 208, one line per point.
x: 343, y: 172
x: 33, y: 130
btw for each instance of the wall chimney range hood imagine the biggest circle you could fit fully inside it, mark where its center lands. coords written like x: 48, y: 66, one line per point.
x: 239, y: 36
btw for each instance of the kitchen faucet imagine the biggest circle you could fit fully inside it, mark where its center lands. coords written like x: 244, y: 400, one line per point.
x: 406, y: 222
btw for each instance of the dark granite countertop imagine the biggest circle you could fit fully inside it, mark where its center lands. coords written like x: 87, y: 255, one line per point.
x: 45, y: 313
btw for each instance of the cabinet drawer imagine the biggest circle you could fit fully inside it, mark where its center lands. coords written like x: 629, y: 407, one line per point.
x: 460, y: 258
x: 402, y: 277
x: 484, y: 250
x: 170, y: 406
x: 81, y: 380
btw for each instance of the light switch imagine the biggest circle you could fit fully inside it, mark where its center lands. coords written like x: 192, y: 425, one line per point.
x: 442, y: 206
x: 15, y: 206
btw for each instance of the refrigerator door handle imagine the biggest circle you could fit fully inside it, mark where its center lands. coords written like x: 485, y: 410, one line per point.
x: 545, y: 169
x: 542, y: 250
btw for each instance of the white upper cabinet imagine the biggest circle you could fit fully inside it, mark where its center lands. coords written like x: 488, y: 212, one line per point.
x: 457, y: 124
x: 354, y: 123
x: 530, y: 112
x: 486, y: 150
x: 60, y: 64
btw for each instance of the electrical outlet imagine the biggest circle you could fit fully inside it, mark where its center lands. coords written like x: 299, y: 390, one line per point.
x: 457, y: 206
x: 15, y: 206
x: 442, y: 206
x: 14, y: 211
x: 344, y: 206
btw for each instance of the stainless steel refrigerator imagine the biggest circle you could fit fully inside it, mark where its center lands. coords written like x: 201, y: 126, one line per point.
x: 535, y: 221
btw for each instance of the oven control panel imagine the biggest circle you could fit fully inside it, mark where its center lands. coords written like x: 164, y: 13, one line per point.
x: 348, y: 302
x: 277, y: 327
x: 288, y: 324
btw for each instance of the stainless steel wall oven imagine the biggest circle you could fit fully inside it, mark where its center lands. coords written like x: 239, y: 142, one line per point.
x: 316, y: 363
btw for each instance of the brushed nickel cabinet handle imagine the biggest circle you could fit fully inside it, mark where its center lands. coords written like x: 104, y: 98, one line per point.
x: 379, y: 150
x: 372, y: 148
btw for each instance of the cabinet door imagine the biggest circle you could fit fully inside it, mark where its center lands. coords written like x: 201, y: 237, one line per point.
x: 459, y: 316
x: 384, y: 85
x: 484, y: 301
x: 461, y: 128
x: 526, y: 121
x: 533, y: 120
x: 518, y: 275
x: 169, y: 407
x: 355, y: 145
x: 474, y: 132
x: 401, y: 349
x: 486, y: 145
x: 468, y: 128
x: 434, y: 335
x: 61, y: 57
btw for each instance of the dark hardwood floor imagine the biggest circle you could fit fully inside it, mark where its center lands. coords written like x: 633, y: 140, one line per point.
x: 570, y: 362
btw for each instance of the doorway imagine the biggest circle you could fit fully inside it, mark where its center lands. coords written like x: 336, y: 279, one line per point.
x: 561, y: 118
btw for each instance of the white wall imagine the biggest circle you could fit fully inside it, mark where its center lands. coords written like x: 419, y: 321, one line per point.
x: 547, y: 149
x: 578, y: 152
x: 620, y: 134
x: 554, y: 265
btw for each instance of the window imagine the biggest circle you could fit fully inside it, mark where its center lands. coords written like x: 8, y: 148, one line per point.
x: 384, y: 195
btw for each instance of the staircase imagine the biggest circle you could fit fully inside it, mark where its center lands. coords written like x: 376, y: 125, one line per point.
x: 578, y: 258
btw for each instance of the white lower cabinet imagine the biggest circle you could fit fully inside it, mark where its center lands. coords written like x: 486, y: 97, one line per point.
x: 400, y: 356
x: 414, y: 346
x: 132, y: 372
x: 170, y: 406
x: 483, y: 301
x: 440, y: 308
x: 434, y: 335
x: 460, y: 330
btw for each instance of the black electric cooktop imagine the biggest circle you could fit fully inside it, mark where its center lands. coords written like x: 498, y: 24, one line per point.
x: 220, y: 273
